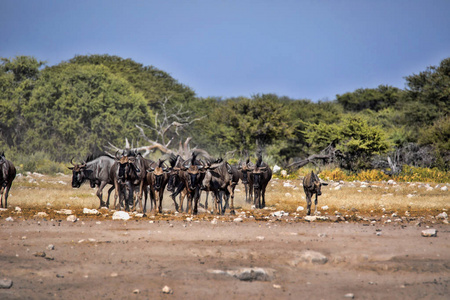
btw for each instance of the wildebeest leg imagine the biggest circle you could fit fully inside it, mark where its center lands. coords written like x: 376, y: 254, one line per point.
x: 206, y: 201
x: 257, y: 198
x: 250, y: 193
x: 232, y: 212
x: 175, y: 203
x: 196, y: 198
x: 315, y: 206
x: 308, y: 203
x: 109, y: 194
x: 263, y: 197
x: 100, y: 193
x: 247, y: 196
x: 5, y: 191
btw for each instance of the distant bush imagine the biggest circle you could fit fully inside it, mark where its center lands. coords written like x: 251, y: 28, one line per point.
x: 39, y: 162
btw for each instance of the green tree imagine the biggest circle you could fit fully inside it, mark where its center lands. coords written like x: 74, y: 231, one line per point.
x: 374, y: 99
x: 357, y: 141
x: 17, y: 79
x: 77, y: 109
x: 438, y: 136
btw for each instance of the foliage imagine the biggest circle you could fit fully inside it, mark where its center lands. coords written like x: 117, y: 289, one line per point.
x: 79, y: 106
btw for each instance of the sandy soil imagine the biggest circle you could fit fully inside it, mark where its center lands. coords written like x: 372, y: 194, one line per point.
x: 98, y: 258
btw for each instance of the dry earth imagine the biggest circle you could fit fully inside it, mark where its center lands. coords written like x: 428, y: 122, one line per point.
x: 206, y: 256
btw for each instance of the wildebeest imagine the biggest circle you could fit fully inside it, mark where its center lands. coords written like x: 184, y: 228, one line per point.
x: 261, y: 175
x: 157, y: 178
x: 312, y: 185
x: 175, y: 184
x: 127, y: 175
x: 221, y: 178
x: 244, y: 171
x: 7, y: 175
x: 96, y: 169
x: 192, y: 176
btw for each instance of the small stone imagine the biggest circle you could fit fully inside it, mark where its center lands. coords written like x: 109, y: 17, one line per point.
x: 238, y: 220
x: 51, y: 247
x: 39, y: 254
x: 121, y: 215
x: 5, y: 283
x: 18, y: 209
x: 114, y: 274
x: 300, y: 208
x: 167, y: 290
x: 310, y: 218
x: 325, y: 207
x: 72, y: 218
x: 349, y: 295
x: 277, y: 286
x: 260, y: 238
x: 214, y: 222
x: 444, y: 188
x: 429, y: 233
x: 442, y: 215
x: 136, y: 291
x: 313, y: 257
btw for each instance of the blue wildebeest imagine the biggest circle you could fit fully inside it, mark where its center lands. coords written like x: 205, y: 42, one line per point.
x: 221, y: 179
x: 7, y: 175
x: 126, y: 175
x: 175, y: 184
x: 157, y: 178
x: 244, y: 171
x: 192, y: 174
x: 96, y: 169
x: 260, y: 175
x: 312, y: 185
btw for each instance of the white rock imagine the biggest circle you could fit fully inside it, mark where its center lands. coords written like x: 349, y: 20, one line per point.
x: 167, y: 290
x: 64, y: 211
x: 72, y: 218
x: 276, y: 169
x: 310, y: 218
x: 214, y: 221
x: 90, y: 211
x: 325, y: 207
x: 41, y: 214
x: 444, y: 188
x: 121, y: 215
x: 300, y: 208
x: 429, y: 233
x: 9, y: 219
x: 284, y: 173
x: 260, y: 238
x: 18, y: 209
x: 279, y: 214
x: 349, y: 295
x: 252, y: 274
x: 288, y: 195
x: 442, y: 215
x: 238, y: 220
x: 313, y: 257
x: 288, y: 184
x: 391, y: 182
x: 337, y: 188
x: 51, y: 247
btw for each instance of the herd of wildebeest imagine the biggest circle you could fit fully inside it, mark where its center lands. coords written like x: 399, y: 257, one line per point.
x: 134, y: 177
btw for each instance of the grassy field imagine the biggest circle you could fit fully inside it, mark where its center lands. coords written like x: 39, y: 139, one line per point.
x: 364, y: 198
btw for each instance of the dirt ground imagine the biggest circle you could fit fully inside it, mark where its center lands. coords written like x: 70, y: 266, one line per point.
x: 96, y: 258
x: 207, y: 256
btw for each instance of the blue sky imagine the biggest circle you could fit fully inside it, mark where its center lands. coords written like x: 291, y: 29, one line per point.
x: 300, y: 49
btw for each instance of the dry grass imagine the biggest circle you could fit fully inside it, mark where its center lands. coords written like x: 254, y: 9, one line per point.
x: 373, y: 199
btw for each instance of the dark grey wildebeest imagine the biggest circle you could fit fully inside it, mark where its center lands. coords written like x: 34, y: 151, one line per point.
x: 96, y: 169
x: 221, y: 179
x: 192, y: 174
x: 260, y: 176
x: 244, y: 169
x: 312, y: 185
x: 7, y: 175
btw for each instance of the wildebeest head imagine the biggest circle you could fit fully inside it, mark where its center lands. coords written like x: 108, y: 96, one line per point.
x: 193, y: 172
x: 245, y: 169
x: 127, y: 167
x: 78, y: 175
x: 2, y: 158
x: 315, y: 185
x: 157, y: 175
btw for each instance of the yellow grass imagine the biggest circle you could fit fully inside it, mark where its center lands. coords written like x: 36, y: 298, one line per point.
x: 376, y: 198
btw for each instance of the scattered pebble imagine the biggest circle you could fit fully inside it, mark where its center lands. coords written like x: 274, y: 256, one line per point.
x: 5, y: 283
x: 349, y: 295
x: 167, y: 290
x: 429, y: 233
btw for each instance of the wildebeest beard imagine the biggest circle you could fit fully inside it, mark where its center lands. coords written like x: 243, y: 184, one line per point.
x: 173, y: 181
x: 192, y: 179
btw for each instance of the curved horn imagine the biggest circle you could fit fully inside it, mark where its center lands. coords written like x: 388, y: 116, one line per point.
x: 71, y: 161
